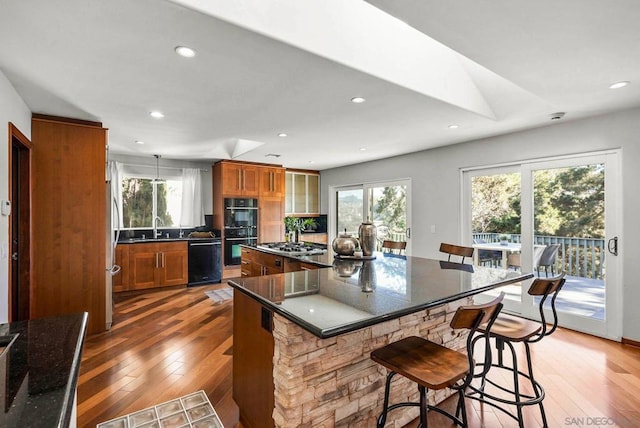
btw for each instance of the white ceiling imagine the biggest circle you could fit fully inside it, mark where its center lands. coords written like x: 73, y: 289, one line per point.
x: 266, y: 67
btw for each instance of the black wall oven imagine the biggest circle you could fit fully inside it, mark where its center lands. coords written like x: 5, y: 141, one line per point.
x: 240, y: 227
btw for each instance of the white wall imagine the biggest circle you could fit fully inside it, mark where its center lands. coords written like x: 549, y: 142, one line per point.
x: 435, y: 176
x: 14, y: 110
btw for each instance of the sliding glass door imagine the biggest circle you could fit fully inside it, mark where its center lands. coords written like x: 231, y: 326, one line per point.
x: 385, y: 204
x: 568, y: 214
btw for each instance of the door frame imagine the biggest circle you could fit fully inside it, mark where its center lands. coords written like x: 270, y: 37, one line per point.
x: 23, y: 207
x: 333, y: 206
x: 612, y: 327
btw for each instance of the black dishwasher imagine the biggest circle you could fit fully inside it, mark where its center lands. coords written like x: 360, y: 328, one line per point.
x: 205, y: 261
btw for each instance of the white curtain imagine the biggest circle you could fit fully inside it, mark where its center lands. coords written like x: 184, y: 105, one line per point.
x: 115, y: 178
x: 192, y: 212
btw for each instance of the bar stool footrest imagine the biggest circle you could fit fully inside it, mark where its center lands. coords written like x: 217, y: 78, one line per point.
x: 455, y: 419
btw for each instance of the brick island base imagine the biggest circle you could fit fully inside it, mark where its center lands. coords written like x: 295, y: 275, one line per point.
x: 333, y: 382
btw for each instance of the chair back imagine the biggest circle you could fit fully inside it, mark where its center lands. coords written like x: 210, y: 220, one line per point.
x: 393, y: 246
x: 472, y: 317
x: 549, y: 255
x: 456, y: 250
x: 545, y: 287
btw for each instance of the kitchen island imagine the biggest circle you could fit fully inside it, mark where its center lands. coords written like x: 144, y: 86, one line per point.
x: 39, y: 369
x: 302, y: 339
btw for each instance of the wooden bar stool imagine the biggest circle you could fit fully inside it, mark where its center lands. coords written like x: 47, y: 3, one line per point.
x: 456, y: 250
x: 508, y: 329
x: 434, y: 366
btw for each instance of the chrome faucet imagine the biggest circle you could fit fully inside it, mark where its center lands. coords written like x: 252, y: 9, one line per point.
x: 156, y: 233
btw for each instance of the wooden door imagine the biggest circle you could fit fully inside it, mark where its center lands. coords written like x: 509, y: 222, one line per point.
x: 271, y: 219
x: 272, y: 182
x: 231, y: 179
x: 143, y: 266
x: 174, y: 264
x: 250, y: 181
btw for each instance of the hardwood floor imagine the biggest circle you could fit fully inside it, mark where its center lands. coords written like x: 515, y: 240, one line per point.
x: 167, y: 344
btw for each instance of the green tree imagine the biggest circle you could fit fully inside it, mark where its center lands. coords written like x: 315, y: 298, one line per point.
x: 495, y: 205
x: 390, y: 208
x: 137, y: 203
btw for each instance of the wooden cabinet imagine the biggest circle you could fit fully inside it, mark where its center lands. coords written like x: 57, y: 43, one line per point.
x: 272, y: 182
x: 318, y: 238
x: 258, y: 263
x: 271, y: 219
x: 302, y: 193
x: 253, y: 349
x: 262, y: 181
x: 69, y: 219
x: 157, y: 264
x: 120, y: 281
x: 294, y: 265
x: 238, y: 179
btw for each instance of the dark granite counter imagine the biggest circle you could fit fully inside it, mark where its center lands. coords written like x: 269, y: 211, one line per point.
x: 40, y: 371
x: 353, y: 294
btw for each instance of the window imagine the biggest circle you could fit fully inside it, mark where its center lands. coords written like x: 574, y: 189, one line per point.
x: 144, y: 199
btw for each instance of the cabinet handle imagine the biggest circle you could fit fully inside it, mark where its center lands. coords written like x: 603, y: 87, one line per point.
x: 271, y: 186
x: 244, y: 179
x: 156, y: 260
x: 239, y: 180
x: 304, y: 268
x: 244, y: 274
x: 162, y: 260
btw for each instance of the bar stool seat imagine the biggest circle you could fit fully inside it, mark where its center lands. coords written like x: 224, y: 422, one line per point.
x: 433, y: 366
x: 514, y: 329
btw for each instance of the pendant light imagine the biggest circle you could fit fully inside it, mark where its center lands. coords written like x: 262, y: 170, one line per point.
x: 157, y: 179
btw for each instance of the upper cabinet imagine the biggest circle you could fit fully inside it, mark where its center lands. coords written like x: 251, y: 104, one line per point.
x: 302, y: 193
x: 272, y: 182
x: 238, y: 179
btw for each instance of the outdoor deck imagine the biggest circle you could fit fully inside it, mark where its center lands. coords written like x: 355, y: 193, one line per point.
x: 579, y: 296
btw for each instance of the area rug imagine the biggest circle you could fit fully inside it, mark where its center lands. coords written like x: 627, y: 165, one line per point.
x: 221, y: 295
x: 193, y: 411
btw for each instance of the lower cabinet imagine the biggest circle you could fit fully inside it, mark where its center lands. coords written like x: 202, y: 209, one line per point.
x: 293, y: 265
x: 120, y: 281
x: 157, y: 265
x: 257, y: 263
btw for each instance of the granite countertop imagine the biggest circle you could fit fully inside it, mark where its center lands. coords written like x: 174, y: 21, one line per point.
x: 40, y: 371
x: 152, y: 240
x: 353, y: 294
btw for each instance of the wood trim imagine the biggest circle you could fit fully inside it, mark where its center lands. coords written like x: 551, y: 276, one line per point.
x: 229, y: 161
x: 304, y: 171
x: 67, y: 120
x: 630, y: 342
x: 26, y: 263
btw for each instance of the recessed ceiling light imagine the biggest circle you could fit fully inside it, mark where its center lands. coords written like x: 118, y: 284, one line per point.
x: 454, y: 126
x: 362, y: 149
x: 156, y: 114
x: 357, y: 100
x: 139, y: 142
x: 282, y: 134
x: 618, y: 85
x: 185, y: 51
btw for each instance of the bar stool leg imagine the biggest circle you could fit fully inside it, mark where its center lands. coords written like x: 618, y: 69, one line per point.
x: 516, y: 384
x: 533, y: 384
x: 424, y: 423
x: 382, y: 419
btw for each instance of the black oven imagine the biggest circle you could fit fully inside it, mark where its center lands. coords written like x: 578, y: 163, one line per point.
x: 232, y: 250
x: 240, y: 227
